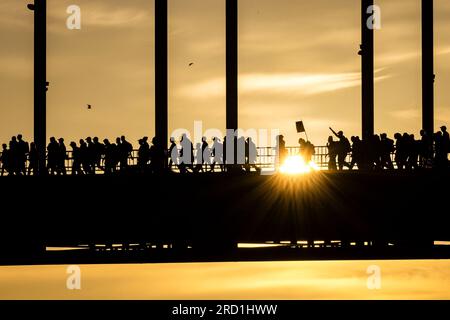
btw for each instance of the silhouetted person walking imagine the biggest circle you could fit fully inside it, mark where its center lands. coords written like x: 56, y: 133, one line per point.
x: 343, y: 149
x: 119, y: 152
x: 62, y: 155
x: 332, y: 153
x: 52, y: 156
x: 22, y: 152
x: 281, y: 151
x: 13, y: 157
x: 85, y: 158
x: 33, y: 160
x: 412, y: 151
x: 76, y: 159
x: 375, y: 152
x: 387, y: 147
x: 157, y: 157
x: 198, y: 158
x: 400, y: 151
x: 186, y: 154
x: 239, y: 153
x: 440, y: 158
x: 5, y: 160
x: 91, y: 151
x: 224, y: 154
x: 110, y: 157
x: 357, y: 153
x: 425, y: 150
x: 307, y: 150
x: 125, y: 148
x: 206, y: 154
x: 445, y: 143
x: 98, y: 151
x: 173, y: 153
x: 217, y: 154
x: 251, y: 155
x: 143, y: 154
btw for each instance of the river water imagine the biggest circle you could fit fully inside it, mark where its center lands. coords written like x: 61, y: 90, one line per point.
x: 411, y: 279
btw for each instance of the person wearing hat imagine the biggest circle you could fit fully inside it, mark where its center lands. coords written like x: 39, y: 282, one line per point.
x: 445, y: 134
x: 445, y: 141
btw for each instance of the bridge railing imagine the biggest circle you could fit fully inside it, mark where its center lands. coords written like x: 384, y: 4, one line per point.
x: 266, y: 158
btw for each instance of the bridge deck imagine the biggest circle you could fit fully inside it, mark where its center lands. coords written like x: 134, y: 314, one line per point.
x: 215, y: 212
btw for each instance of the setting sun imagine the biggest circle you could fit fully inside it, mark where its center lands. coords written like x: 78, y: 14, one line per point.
x: 297, y: 165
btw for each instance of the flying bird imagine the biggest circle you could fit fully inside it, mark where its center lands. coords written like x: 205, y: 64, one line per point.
x: 191, y: 64
x: 89, y: 107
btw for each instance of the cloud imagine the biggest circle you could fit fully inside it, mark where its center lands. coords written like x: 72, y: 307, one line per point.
x: 307, y: 84
x: 393, y: 58
x: 406, y: 114
x: 16, y: 67
x: 117, y: 17
x: 99, y: 14
x: 442, y: 115
x: 281, y: 83
x: 443, y: 51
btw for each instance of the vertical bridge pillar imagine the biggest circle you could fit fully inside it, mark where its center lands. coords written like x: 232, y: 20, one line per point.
x: 232, y: 64
x: 161, y: 72
x: 427, y: 66
x: 40, y: 80
x: 367, y: 68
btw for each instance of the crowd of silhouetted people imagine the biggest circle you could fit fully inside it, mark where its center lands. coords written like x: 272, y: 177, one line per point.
x: 429, y: 151
x: 379, y: 152
x: 214, y: 156
x: 13, y: 159
x: 90, y: 156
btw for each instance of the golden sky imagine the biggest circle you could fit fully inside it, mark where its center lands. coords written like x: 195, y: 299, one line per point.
x: 298, y: 60
x: 415, y: 279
